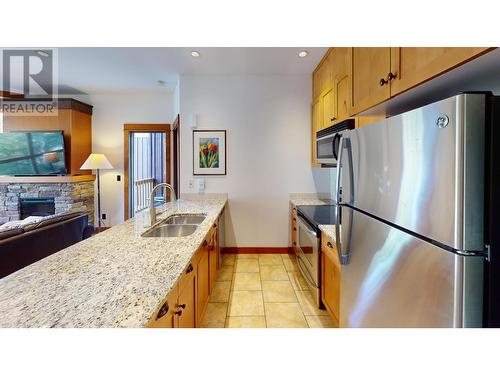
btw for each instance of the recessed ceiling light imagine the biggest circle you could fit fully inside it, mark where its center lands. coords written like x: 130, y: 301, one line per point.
x: 303, y: 53
x: 43, y: 53
x: 195, y: 54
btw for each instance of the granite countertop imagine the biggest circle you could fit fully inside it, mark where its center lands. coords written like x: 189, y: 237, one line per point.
x: 329, y: 230
x: 309, y: 199
x: 114, y: 279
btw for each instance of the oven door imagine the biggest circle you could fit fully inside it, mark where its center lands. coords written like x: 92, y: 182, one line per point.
x: 327, y: 148
x: 308, y: 252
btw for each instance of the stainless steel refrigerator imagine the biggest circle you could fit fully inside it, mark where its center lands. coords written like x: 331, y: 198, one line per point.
x: 411, y: 193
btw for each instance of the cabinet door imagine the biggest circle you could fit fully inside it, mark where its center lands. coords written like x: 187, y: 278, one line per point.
x: 213, y: 257
x: 202, y: 282
x: 341, y: 76
x: 165, y: 316
x: 315, y: 126
x: 415, y: 65
x: 369, y: 66
x: 330, y: 291
x: 328, y: 107
x: 186, y: 308
x: 294, y: 226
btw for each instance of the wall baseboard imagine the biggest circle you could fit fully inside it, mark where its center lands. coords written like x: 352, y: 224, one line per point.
x: 256, y: 250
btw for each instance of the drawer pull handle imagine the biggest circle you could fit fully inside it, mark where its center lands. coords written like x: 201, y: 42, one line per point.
x: 178, y: 312
x: 190, y: 268
x: 163, y: 310
x: 329, y: 245
x: 182, y: 305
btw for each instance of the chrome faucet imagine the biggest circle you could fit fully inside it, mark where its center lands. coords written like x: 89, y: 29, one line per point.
x: 152, y: 209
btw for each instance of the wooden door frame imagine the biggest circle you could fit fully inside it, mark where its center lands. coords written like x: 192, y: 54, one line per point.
x: 176, y: 154
x: 134, y: 128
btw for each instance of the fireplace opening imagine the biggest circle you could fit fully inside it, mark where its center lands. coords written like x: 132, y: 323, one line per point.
x: 36, y: 207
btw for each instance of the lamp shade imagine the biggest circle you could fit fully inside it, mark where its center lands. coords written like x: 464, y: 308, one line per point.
x: 96, y: 161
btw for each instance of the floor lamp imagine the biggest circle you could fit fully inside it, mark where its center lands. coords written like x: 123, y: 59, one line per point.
x: 97, y: 162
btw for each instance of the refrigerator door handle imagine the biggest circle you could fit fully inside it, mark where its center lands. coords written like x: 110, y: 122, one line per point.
x: 343, y: 238
x: 345, y: 143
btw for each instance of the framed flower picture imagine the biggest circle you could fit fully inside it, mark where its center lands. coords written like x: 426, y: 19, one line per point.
x: 209, y: 152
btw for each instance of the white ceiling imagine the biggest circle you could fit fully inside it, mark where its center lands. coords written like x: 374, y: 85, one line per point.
x: 127, y: 70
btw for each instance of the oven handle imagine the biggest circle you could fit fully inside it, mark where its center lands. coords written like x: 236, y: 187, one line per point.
x: 305, y: 273
x: 306, y: 226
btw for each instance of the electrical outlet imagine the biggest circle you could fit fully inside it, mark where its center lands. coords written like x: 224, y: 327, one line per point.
x: 191, y: 184
x: 118, y: 178
x: 103, y: 216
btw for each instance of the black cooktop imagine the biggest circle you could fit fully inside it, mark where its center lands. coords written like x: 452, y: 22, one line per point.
x: 322, y: 214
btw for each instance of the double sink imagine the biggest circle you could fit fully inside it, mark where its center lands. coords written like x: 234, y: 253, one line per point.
x: 178, y: 225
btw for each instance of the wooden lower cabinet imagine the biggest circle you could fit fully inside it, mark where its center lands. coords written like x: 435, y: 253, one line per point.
x: 203, y: 282
x: 165, y: 317
x: 213, y: 258
x: 330, y: 284
x: 185, y: 305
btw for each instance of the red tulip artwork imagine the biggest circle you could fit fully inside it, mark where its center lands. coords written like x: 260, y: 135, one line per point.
x: 209, y: 153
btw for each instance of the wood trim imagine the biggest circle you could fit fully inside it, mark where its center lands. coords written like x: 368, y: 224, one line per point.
x: 130, y: 128
x: 176, y: 123
x: 46, y: 179
x: 256, y: 250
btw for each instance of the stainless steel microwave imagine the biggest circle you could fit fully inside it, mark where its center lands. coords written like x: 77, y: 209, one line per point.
x: 328, y: 141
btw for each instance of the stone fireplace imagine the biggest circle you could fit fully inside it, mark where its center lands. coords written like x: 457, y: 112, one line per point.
x: 67, y: 196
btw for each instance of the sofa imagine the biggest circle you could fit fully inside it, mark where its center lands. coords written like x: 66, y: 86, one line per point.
x: 23, y: 245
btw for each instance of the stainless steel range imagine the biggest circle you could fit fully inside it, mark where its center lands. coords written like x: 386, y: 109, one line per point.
x: 308, y: 249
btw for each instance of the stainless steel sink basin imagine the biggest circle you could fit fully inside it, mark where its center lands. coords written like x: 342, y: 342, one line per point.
x: 185, y: 219
x: 171, y: 230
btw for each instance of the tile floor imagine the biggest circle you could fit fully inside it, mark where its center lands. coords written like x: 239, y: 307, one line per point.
x: 262, y: 290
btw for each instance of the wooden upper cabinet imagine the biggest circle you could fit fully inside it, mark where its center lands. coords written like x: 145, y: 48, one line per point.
x: 328, y: 107
x: 315, y: 126
x: 369, y: 66
x: 341, y: 74
x: 415, y: 65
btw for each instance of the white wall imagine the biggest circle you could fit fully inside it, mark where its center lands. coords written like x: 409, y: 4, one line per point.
x: 267, y: 119
x: 111, y: 111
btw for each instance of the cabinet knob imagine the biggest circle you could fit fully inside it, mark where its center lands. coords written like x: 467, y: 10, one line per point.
x: 190, y: 268
x: 178, y: 312
x: 333, y: 119
x: 383, y: 82
x: 390, y: 76
x: 294, y: 243
x: 215, y: 225
x: 329, y: 245
x: 205, y: 243
x: 295, y: 229
x: 182, y: 305
x: 163, y: 310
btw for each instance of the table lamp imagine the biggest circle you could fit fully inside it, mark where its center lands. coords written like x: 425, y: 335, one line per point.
x: 97, y: 162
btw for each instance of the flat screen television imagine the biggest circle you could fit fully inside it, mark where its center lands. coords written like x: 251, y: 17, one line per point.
x: 37, y: 153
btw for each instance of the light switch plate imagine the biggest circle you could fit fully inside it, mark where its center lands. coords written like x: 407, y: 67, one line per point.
x: 201, y: 185
x: 191, y: 184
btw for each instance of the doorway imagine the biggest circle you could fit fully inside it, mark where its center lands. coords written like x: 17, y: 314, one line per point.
x: 146, y: 164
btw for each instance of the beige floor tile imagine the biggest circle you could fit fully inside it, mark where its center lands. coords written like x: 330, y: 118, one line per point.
x: 246, y: 303
x: 273, y: 272
x: 298, y: 281
x: 228, y: 259
x: 278, y: 291
x: 323, y: 321
x: 247, y: 265
x: 247, y: 256
x: 215, y: 316
x: 247, y: 281
x: 284, y: 315
x: 270, y: 259
x: 246, y: 322
x: 221, y: 291
x: 308, y: 304
x: 225, y: 273
x: 290, y: 263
